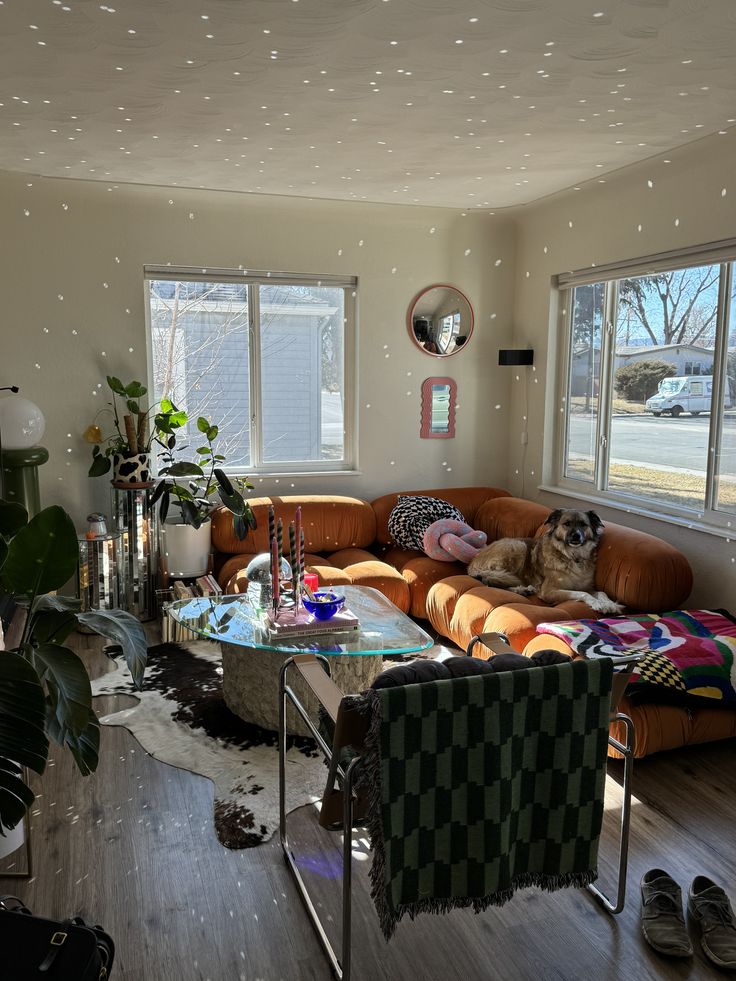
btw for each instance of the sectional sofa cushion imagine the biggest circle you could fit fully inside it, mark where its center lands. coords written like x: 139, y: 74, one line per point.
x: 330, y: 522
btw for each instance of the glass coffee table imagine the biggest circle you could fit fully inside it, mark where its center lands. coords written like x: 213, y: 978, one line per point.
x: 252, y: 659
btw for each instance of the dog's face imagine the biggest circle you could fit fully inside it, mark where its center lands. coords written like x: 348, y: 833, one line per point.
x: 574, y: 528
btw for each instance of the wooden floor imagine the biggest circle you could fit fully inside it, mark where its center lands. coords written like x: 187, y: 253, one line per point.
x: 133, y: 848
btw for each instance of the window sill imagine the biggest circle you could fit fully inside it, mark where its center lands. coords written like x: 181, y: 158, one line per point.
x: 260, y: 475
x: 691, y: 524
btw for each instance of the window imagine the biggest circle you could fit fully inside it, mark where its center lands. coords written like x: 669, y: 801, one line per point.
x: 695, y: 368
x: 268, y: 358
x: 449, y: 328
x: 649, y: 420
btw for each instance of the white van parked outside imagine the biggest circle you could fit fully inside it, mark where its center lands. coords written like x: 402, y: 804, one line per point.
x: 689, y: 393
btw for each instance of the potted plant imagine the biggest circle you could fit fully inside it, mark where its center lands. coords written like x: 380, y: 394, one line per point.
x: 193, y: 483
x: 44, y: 686
x: 128, y: 449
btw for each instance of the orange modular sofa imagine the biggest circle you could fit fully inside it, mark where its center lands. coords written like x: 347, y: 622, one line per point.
x: 347, y: 542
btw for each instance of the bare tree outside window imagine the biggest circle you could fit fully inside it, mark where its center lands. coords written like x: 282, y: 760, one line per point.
x: 675, y: 307
x: 199, y: 347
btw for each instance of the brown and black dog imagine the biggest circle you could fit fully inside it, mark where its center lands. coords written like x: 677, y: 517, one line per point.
x: 558, y: 566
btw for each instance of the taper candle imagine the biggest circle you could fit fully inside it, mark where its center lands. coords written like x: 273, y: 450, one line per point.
x: 275, y: 586
x: 299, y: 536
x: 271, y: 525
x: 293, y: 558
x: 280, y: 541
x: 299, y: 556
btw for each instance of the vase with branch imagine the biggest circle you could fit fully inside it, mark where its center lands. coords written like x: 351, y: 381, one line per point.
x: 127, y: 450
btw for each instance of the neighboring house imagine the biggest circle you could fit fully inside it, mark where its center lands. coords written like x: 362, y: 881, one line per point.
x: 688, y: 359
x: 584, y: 366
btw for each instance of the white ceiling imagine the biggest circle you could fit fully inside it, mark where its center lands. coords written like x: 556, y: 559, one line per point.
x: 460, y: 103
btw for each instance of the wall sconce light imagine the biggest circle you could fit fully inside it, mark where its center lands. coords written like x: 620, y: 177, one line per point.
x: 516, y: 356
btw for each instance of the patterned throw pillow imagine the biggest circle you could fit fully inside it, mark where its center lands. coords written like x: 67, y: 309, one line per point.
x: 412, y: 516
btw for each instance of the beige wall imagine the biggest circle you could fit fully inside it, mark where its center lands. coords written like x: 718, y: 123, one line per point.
x: 620, y: 219
x: 88, y: 244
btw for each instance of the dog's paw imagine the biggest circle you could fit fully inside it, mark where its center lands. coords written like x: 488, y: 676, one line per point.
x: 604, y: 604
x: 523, y: 590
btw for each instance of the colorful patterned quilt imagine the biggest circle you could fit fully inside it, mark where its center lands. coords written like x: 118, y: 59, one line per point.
x: 688, y: 651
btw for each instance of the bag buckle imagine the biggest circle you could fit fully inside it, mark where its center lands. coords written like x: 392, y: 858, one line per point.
x: 103, y: 974
x: 58, y: 939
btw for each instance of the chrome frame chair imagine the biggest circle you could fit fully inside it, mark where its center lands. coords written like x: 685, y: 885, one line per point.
x: 340, y: 806
x: 315, y: 671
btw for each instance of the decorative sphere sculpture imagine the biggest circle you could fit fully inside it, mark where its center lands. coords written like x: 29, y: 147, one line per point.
x: 259, y: 569
x: 22, y: 424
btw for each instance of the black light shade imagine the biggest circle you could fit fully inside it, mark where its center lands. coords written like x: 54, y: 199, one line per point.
x: 510, y: 356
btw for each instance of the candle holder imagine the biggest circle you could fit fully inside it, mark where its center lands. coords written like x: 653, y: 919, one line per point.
x: 136, y: 520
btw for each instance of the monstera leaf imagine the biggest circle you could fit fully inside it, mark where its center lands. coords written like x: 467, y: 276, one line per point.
x: 13, y: 517
x: 23, y: 739
x: 126, y: 631
x: 66, y: 678
x: 44, y: 686
x: 43, y: 555
x: 84, y: 745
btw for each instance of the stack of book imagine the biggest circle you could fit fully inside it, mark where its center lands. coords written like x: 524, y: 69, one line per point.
x: 201, y: 586
x: 304, y: 624
x: 171, y: 631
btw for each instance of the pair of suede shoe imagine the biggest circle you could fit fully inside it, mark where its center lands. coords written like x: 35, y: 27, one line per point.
x: 663, y: 923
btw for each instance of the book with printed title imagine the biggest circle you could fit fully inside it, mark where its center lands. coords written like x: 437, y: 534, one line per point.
x: 304, y: 624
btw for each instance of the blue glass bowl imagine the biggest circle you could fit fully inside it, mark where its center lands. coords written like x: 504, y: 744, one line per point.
x: 325, y: 605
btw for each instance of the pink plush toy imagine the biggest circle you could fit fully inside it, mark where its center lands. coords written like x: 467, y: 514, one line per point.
x: 447, y: 540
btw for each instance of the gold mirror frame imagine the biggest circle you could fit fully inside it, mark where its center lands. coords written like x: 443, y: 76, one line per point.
x: 438, y: 317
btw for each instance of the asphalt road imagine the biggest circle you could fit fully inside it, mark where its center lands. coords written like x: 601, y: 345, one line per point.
x: 667, y: 442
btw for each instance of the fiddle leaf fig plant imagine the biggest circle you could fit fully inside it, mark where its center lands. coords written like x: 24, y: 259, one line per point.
x: 45, y: 691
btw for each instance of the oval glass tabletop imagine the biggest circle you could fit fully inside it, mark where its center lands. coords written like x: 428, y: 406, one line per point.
x: 383, y: 629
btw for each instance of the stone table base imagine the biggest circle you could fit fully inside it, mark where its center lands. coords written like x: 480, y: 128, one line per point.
x: 250, y: 684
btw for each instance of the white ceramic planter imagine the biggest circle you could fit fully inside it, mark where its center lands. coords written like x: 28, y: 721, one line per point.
x: 185, y: 549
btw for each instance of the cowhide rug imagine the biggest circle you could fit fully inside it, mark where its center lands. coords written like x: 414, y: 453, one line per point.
x: 181, y: 719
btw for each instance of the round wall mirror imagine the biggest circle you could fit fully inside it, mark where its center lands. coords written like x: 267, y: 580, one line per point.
x: 440, y: 320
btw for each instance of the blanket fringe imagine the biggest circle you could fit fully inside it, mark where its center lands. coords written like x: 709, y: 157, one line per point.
x: 389, y: 918
x: 374, y: 823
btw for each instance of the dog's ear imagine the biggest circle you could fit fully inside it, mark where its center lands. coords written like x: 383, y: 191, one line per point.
x: 553, y: 519
x: 595, y: 523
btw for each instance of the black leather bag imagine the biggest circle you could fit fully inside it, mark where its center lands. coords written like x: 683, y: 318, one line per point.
x: 36, y: 949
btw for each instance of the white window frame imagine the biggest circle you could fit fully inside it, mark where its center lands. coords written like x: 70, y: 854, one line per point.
x: 349, y: 284
x: 707, y: 518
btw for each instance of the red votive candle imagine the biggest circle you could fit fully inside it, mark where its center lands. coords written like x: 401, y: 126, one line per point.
x: 311, y: 579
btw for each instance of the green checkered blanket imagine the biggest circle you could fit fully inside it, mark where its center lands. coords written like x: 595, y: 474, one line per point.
x: 482, y: 785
